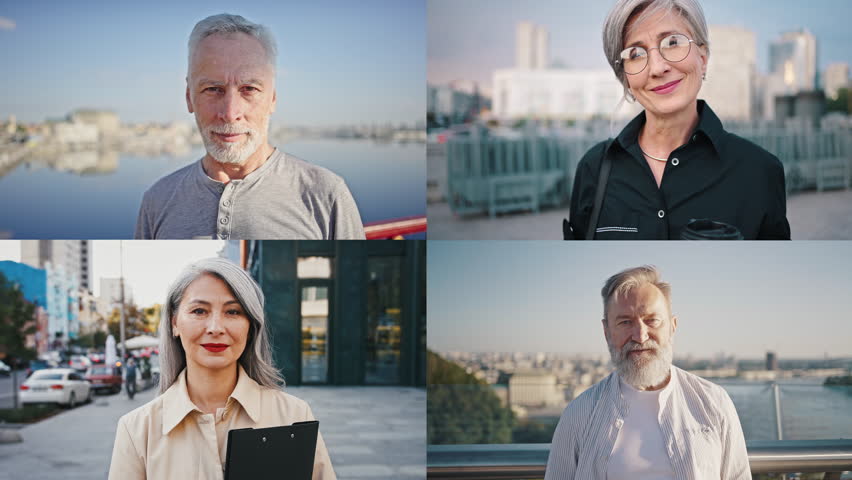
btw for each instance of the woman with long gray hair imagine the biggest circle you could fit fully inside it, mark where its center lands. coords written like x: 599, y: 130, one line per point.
x: 216, y: 375
x: 673, y: 171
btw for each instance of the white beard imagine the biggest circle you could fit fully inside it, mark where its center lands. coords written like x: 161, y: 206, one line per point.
x: 231, y: 152
x: 644, y: 371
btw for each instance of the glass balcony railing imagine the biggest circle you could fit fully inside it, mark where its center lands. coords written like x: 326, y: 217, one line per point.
x: 528, y: 461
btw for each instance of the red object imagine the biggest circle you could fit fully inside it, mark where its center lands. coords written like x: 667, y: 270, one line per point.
x: 56, y: 387
x: 100, y: 381
x: 25, y: 387
x: 396, y: 228
x: 215, y: 347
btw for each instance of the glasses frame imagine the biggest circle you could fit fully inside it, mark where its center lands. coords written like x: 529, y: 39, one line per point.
x: 620, y: 62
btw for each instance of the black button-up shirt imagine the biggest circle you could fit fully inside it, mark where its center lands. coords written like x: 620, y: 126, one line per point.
x: 716, y: 175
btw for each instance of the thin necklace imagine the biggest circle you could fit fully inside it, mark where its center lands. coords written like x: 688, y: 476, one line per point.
x: 651, y: 156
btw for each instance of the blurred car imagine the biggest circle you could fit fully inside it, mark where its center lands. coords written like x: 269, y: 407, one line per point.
x: 36, y: 365
x: 5, y: 370
x: 81, y: 363
x: 97, y: 357
x: 55, y: 385
x: 104, y: 378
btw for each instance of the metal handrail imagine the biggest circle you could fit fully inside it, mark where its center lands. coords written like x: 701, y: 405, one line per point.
x: 395, y: 228
x: 528, y: 461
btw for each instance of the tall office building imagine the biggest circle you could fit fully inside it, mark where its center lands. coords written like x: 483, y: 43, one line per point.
x: 730, y: 85
x: 111, y: 291
x: 73, y: 256
x: 836, y: 77
x: 532, y: 46
x: 793, y: 57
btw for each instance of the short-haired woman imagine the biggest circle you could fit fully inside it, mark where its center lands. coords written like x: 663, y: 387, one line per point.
x: 216, y: 375
x: 674, y: 162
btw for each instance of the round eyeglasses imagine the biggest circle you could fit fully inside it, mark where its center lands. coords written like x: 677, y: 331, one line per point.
x: 673, y: 48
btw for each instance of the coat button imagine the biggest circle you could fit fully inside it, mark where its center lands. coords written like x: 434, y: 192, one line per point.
x: 224, y: 220
x: 661, y: 214
x: 675, y: 161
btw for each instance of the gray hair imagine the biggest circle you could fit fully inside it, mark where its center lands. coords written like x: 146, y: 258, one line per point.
x: 622, y: 283
x: 225, y: 23
x: 625, y: 11
x: 257, y: 356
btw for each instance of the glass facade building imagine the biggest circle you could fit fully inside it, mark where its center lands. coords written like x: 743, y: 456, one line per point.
x: 346, y: 312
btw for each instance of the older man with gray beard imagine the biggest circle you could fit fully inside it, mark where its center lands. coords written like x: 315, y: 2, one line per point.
x: 648, y: 419
x: 243, y: 188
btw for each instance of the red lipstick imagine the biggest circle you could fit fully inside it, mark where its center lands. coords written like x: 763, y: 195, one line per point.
x: 667, y: 88
x: 214, y: 347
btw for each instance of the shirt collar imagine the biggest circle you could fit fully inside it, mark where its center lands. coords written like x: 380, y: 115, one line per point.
x: 665, y: 393
x: 177, y: 405
x: 708, y: 124
x: 217, y: 186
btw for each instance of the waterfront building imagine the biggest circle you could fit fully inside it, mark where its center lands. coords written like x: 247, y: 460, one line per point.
x: 535, y: 389
x: 107, y: 122
x: 771, y: 361
x: 730, y: 85
x: 343, y: 313
x: 71, y: 133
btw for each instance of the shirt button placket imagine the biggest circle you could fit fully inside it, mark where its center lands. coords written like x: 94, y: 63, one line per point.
x: 225, y: 212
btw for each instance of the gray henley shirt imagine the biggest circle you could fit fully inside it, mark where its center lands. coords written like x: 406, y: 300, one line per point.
x: 286, y: 198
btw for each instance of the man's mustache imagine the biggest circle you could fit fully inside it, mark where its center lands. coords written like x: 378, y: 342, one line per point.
x: 633, y: 346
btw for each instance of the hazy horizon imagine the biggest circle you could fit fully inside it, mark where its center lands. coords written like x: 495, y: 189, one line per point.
x: 737, y: 298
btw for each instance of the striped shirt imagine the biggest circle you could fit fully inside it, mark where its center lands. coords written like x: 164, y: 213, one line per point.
x: 700, y: 426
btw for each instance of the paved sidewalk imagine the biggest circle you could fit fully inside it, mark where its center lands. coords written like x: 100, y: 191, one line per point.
x: 371, y: 432
x: 812, y: 216
x: 73, y: 445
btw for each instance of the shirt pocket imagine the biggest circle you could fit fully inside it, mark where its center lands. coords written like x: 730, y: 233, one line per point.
x: 623, y: 225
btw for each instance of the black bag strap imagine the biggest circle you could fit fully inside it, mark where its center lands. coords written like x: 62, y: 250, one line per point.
x: 600, y: 191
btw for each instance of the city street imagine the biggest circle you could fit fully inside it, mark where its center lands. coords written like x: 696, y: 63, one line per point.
x: 376, y: 433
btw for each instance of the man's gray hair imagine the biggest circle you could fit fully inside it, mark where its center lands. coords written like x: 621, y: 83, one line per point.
x: 622, y: 283
x: 626, y: 11
x: 257, y: 356
x: 225, y: 23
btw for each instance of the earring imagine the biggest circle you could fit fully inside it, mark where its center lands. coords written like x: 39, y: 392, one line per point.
x: 704, y: 76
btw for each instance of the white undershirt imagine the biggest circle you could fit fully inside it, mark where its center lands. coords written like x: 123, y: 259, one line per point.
x: 640, y: 451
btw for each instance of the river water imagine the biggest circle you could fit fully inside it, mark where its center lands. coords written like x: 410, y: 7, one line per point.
x: 91, y: 195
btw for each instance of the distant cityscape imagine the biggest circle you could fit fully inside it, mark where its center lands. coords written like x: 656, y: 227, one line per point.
x: 88, y: 139
x: 56, y: 276
x: 541, y: 384
x: 538, y: 88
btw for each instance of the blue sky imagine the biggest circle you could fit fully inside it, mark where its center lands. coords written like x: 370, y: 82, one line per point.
x: 339, y: 62
x: 741, y: 298
x: 470, y: 39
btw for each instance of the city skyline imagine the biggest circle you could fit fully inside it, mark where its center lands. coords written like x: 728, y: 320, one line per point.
x: 740, y: 299
x: 456, y: 43
x: 332, y: 68
x: 149, y: 267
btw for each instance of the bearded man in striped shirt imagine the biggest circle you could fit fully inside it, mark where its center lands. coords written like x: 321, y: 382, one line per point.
x: 648, y: 419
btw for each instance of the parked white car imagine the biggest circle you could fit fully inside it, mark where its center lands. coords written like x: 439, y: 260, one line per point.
x: 56, y: 385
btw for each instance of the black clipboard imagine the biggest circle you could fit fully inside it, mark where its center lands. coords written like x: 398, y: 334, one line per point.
x: 275, y: 452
